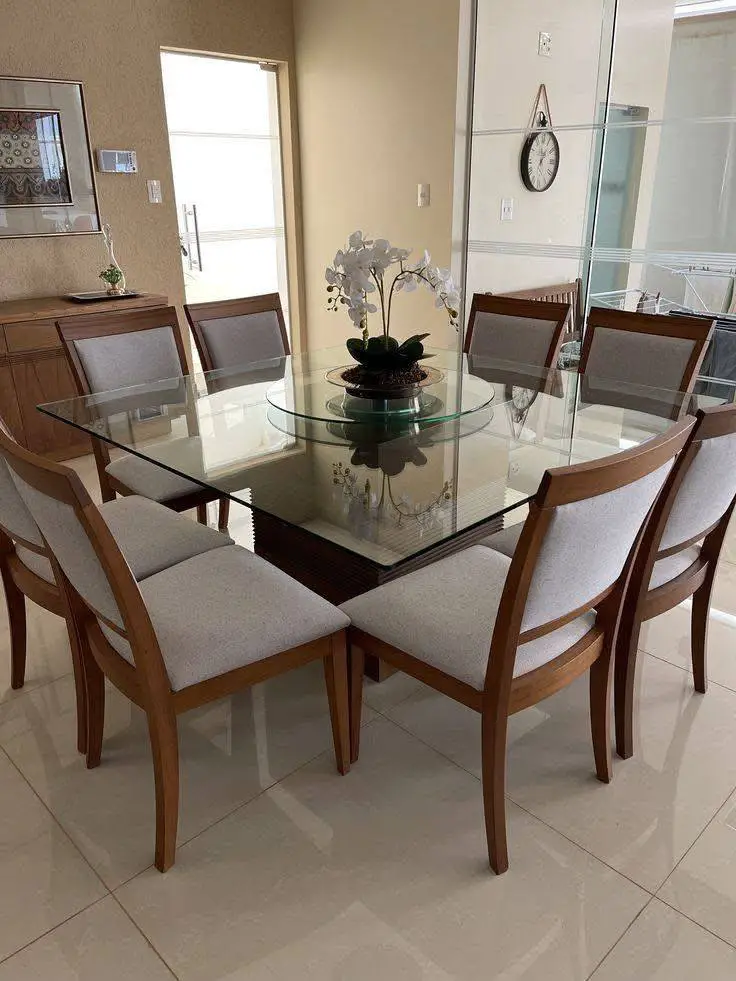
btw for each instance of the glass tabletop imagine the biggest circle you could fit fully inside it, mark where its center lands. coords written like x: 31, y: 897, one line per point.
x: 386, y: 487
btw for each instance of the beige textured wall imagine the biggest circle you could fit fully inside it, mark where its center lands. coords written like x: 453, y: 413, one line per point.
x: 114, y: 49
x: 376, y: 95
x: 509, y: 72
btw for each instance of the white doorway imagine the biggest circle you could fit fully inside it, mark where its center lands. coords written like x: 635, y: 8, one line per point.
x: 223, y: 121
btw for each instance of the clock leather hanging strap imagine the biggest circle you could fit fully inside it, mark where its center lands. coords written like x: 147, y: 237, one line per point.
x: 540, y: 117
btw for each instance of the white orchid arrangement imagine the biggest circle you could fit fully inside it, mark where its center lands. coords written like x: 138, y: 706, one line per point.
x: 371, y: 270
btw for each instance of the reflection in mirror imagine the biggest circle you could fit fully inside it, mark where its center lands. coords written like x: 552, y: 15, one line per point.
x: 644, y: 207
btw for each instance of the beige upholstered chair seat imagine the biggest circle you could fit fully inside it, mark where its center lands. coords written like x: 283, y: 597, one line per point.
x: 666, y: 569
x: 150, y: 480
x: 225, y: 609
x: 445, y: 614
x: 672, y: 566
x: 151, y: 537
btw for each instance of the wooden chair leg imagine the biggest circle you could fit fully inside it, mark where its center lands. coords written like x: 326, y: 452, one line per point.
x: 165, y: 748
x: 699, y: 634
x: 356, y: 662
x: 336, y: 678
x: 95, y: 690
x: 16, y: 603
x: 224, y: 514
x: 493, y: 744
x: 80, y: 683
x: 627, y: 647
x: 600, y: 712
x: 202, y: 514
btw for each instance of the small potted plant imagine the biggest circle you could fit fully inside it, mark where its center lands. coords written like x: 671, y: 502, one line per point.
x: 114, y: 278
x: 112, y: 275
x: 369, y: 270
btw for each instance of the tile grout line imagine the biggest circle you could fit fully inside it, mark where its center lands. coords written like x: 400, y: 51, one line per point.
x: 55, y: 819
x: 687, y: 671
x: 524, y: 809
x: 76, y: 849
x: 46, y: 933
x: 618, y: 941
x: 695, y: 922
x: 24, y: 692
x: 145, y: 936
x: 238, y: 807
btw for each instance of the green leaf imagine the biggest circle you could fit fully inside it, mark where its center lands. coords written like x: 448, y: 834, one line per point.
x: 356, y: 347
x: 415, y: 337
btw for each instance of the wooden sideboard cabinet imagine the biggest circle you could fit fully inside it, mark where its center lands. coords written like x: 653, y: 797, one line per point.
x: 33, y: 369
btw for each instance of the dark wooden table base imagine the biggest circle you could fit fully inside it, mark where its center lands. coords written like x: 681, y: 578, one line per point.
x: 337, y: 574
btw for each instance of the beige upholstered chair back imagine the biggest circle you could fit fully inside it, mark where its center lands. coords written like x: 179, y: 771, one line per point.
x: 15, y: 517
x: 237, y: 333
x: 68, y: 540
x: 585, y: 547
x: 506, y: 331
x: 119, y: 360
x: 500, y: 337
x: 656, y: 352
x: 648, y: 360
x: 706, y: 491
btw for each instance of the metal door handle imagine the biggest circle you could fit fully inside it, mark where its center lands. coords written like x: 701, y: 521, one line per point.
x: 191, y: 209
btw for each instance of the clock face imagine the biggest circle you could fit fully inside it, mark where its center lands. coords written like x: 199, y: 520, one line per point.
x: 540, y: 160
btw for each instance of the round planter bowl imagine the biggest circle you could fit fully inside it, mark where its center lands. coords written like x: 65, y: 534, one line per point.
x: 378, y: 391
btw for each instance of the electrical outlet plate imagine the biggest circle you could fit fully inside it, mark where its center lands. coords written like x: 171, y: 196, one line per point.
x: 423, y: 196
x: 545, y: 44
x: 507, y: 209
x: 154, y: 192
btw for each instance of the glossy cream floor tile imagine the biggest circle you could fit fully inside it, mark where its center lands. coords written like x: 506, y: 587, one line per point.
x: 44, y: 880
x: 668, y: 637
x: 662, y: 945
x: 230, y: 751
x: 48, y: 656
x: 390, y: 692
x: 703, y: 885
x: 658, y: 802
x: 99, y: 944
x: 379, y: 874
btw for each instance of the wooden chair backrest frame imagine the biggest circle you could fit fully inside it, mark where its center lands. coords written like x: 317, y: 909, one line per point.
x: 557, y: 313
x: 64, y: 485
x: 103, y: 324
x: 571, y: 293
x: 709, y: 424
x: 222, y: 309
x: 686, y: 328
x: 561, y: 486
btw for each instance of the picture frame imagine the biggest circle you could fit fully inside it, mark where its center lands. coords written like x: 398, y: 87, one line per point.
x: 47, y: 180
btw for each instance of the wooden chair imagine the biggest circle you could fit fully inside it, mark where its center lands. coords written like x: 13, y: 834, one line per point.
x: 151, y: 538
x: 235, y: 333
x: 500, y: 634
x: 108, y: 351
x: 570, y: 293
x: 507, y: 329
x: 679, y: 553
x: 202, y: 629
x: 642, y: 351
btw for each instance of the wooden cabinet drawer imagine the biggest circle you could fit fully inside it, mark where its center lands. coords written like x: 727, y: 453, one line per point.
x: 32, y: 335
x: 47, y: 378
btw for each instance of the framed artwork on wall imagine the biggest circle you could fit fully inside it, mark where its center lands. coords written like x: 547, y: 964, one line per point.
x: 47, y: 184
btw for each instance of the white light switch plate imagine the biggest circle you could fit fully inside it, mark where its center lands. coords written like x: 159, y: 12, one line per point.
x: 154, y: 192
x: 545, y: 44
x: 507, y: 209
x: 423, y: 196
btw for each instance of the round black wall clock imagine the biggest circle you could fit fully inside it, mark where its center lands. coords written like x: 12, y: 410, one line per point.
x: 540, y: 157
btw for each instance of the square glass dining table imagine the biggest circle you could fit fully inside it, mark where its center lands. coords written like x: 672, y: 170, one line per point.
x: 348, y: 492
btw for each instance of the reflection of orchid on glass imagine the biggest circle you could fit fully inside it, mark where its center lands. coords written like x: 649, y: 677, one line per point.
x: 365, y: 277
